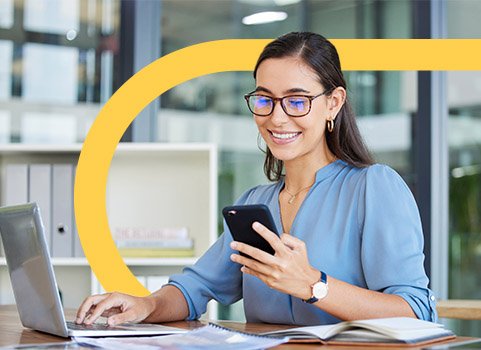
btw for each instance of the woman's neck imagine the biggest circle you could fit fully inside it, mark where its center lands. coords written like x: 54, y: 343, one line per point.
x: 300, y: 174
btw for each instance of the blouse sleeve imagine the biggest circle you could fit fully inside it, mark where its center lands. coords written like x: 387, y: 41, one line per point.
x: 392, y: 242
x: 214, y: 275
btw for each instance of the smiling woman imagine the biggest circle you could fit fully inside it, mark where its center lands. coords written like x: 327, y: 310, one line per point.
x: 349, y: 225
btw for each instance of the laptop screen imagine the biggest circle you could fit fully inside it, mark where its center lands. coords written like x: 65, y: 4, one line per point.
x: 31, y: 273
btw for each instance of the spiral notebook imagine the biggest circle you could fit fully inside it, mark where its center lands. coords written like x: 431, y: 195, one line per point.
x: 211, y: 337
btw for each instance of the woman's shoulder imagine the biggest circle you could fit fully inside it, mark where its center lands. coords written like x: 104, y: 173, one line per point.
x: 378, y: 177
x: 375, y: 177
x: 375, y: 171
x: 383, y: 173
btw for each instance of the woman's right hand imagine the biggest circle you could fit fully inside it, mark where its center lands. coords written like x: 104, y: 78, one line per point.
x: 117, y: 307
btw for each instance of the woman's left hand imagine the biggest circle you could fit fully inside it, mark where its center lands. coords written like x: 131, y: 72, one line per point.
x: 287, y: 271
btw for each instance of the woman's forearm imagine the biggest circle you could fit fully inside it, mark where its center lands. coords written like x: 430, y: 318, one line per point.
x: 169, y: 305
x: 348, y: 302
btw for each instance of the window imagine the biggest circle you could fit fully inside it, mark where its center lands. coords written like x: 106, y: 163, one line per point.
x: 58, y: 59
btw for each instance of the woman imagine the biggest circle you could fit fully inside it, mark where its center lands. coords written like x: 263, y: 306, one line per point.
x: 352, y: 247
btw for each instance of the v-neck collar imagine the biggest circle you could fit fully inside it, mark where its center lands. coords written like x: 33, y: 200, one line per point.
x: 322, y: 174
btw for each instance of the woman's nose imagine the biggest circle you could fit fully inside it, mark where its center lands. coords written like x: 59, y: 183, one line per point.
x: 278, y: 116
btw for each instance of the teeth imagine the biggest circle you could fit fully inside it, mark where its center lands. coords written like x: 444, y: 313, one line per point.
x: 285, y: 136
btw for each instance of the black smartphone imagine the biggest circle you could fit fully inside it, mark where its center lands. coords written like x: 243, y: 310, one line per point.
x: 239, y: 219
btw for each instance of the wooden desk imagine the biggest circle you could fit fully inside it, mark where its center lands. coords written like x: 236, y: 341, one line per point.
x: 460, y: 309
x: 12, y: 332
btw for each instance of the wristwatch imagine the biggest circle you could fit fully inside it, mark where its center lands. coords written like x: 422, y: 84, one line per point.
x: 319, y: 290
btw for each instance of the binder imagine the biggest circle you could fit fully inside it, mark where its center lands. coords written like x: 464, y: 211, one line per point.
x: 77, y: 246
x: 40, y: 187
x: 62, y: 210
x: 16, y: 184
x: 15, y: 189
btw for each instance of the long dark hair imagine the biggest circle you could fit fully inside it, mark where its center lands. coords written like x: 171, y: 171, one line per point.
x: 345, y: 141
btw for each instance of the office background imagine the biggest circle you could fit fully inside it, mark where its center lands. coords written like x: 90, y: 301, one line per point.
x: 60, y: 61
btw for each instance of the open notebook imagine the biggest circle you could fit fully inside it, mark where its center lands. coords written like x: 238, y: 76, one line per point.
x: 382, y: 331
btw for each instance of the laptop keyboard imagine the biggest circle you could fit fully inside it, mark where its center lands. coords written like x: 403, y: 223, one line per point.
x: 91, y: 327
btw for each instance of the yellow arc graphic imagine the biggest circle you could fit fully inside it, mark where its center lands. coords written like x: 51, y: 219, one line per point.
x: 195, y: 61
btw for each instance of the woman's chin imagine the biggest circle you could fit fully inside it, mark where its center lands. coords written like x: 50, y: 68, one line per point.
x: 284, y: 155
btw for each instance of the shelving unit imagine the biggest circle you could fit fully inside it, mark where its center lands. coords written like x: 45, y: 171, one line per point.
x: 149, y: 185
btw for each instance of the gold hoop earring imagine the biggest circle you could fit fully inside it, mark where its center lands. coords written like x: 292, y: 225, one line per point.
x: 330, y: 125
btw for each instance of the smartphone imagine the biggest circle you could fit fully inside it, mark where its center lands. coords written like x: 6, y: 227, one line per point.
x: 240, y: 218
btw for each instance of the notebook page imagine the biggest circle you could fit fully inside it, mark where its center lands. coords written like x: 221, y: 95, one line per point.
x: 400, y: 327
x: 321, y: 332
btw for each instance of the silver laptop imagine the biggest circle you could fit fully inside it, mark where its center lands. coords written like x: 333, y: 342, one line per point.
x: 34, y: 285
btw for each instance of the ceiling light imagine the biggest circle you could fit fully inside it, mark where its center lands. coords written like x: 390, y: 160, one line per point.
x: 264, y: 17
x: 71, y: 34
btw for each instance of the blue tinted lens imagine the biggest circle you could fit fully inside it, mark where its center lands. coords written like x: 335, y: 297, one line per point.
x: 297, y: 105
x: 260, y: 104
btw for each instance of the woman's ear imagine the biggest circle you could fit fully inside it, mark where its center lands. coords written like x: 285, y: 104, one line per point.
x: 336, y: 101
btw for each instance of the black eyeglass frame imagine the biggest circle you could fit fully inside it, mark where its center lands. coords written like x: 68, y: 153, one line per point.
x: 281, y: 99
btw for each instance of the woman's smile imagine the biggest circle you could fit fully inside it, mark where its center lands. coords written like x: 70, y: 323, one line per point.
x: 284, y: 137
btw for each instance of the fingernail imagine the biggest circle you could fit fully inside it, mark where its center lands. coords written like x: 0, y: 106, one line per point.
x: 232, y: 257
x: 233, y: 245
x: 256, y: 225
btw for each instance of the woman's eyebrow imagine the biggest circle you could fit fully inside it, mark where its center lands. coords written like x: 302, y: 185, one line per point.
x: 290, y: 91
x: 262, y: 89
x: 296, y: 90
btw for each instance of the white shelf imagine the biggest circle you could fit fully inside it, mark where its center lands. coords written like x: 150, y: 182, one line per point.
x: 128, y: 261
x: 149, y: 185
x: 12, y: 148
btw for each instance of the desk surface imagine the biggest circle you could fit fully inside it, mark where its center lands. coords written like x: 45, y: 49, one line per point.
x: 12, y: 331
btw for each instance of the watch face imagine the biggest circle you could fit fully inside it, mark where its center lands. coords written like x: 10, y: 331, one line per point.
x: 319, y: 290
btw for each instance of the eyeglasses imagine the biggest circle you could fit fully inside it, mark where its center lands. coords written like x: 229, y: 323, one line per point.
x: 293, y: 105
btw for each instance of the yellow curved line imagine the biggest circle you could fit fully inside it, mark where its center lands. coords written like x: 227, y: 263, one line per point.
x: 195, y: 61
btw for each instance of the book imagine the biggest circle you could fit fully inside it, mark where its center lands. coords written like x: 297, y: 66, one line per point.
x: 155, y: 253
x: 393, y: 331
x: 149, y: 243
x: 150, y: 233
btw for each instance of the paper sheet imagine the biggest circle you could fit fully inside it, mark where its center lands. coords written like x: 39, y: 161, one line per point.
x: 208, y: 337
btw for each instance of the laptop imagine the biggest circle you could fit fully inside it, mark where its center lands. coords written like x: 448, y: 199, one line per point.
x: 34, y: 285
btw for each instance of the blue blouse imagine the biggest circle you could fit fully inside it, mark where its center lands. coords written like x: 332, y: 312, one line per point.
x: 360, y: 225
